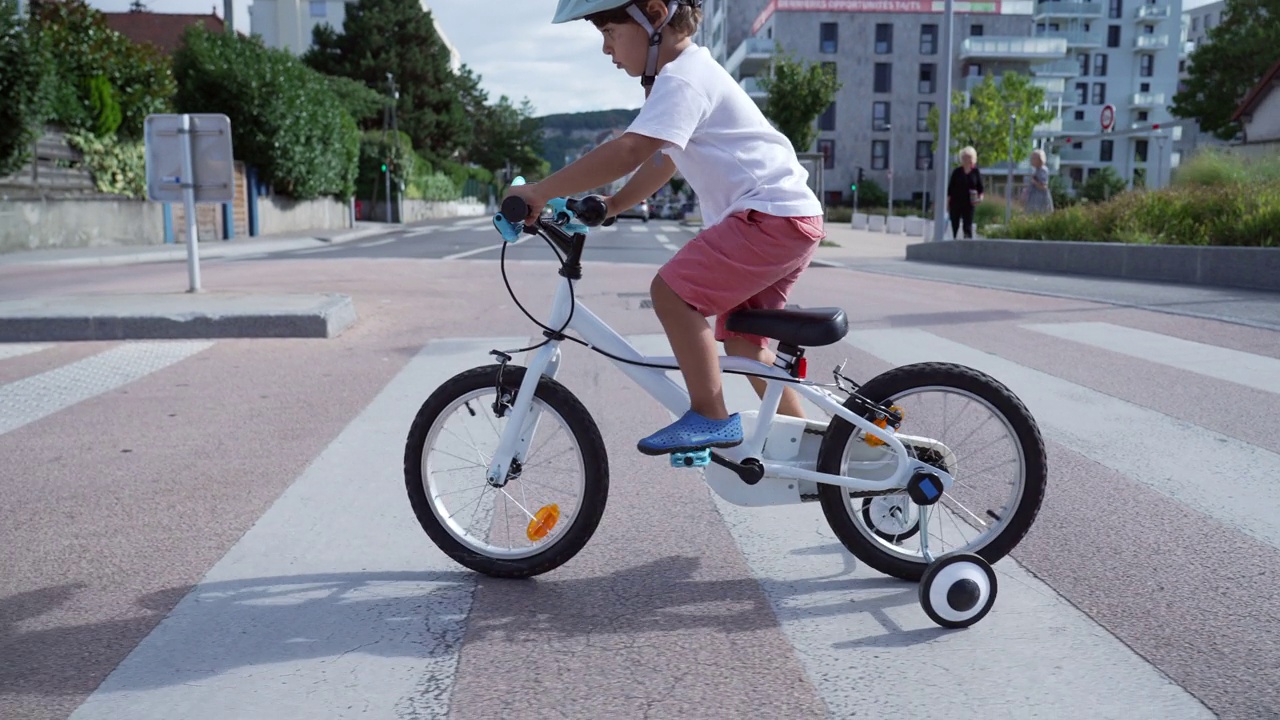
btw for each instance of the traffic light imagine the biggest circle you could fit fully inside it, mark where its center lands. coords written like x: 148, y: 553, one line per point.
x: 859, y: 176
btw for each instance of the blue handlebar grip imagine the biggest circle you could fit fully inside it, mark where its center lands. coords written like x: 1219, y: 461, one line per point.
x: 509, y: 231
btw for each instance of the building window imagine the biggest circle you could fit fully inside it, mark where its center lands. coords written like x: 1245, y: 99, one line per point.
x: 883, y: 78
x: 1083, y: 59
x: 1195, y: 24
x: 829, y: 38
x: 928, y: 72
x: 1082, y: 93
x: 924, y: 155
x: 828, y: 150
x: 1100, y: 65
x: 976, y: 31
x: 929, y: 40
x: 880, y: 116
x: 1142, y: 116
x: 1144, y: 87
x: 1140, y: 151
x: 884, y: 39
x: 319, y: 8
x: 922, y: 116
x: 1079, y: 115
x: 827, y: 120
x: 1108, y: 147
x: 879, y: 154
x: 1113, y: 36
x: 1146, y: 64
x: 1116, y: 9
x: 1099, y: 94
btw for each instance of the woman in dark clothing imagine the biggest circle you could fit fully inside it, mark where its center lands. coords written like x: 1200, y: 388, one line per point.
x: 964, y: 191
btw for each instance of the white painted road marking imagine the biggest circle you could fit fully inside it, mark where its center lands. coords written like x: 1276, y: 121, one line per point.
x: 13, y: 350
x: 419, y: 233
x: 858, y: 632
x: 639, y: 228
x: 376, y: 243
x: 1242, y: 368
x: 30, y: 399
x: 334, y: 604
x: 1219, y: 475
x: 666, y: 242
x: 477, y: 251
x: 312, y: 251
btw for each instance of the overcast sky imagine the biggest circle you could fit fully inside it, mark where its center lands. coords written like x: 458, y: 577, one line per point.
x: 511, y: 44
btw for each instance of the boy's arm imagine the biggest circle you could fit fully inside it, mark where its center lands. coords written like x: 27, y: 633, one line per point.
x: 651, y: 176
x: 601, y: 166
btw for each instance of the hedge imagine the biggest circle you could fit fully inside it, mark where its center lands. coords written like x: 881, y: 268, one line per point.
x: 285, y: 118
x: 21, y: 68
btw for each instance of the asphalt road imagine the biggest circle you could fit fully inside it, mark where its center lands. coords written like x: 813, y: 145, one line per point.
x: 220, y: 529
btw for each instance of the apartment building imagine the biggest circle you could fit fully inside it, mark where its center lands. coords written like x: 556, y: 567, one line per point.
x: 1196, y: 23
x: 1086, y: 55
x: 288, y: 24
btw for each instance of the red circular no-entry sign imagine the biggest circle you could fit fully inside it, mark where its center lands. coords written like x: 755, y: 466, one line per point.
x: 1108, y: 117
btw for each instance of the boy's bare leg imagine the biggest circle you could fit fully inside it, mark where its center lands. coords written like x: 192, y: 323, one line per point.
x: 741, y: 347
x: 694, y: 346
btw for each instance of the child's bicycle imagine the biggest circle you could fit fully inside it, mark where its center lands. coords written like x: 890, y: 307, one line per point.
x: 539, y: 483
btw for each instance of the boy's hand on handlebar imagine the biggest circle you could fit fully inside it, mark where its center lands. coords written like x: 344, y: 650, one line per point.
x: 532, y: 197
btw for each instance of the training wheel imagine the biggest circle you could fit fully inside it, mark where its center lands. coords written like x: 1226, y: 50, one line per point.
x: 891, y: 517
x: 958, y: 590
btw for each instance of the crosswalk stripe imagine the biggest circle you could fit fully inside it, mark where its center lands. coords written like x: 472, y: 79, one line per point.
x: 851, y: 608
x: 30, y: 399
x: 639, y: 228
x: 1219, y: 475
x: 332, y: 588
x: 19, y: 349
x: 1242, y: 368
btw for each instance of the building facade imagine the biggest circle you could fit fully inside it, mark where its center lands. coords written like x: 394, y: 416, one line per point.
x: 1196, y: 24
x: 1116, y: 54
x: 288, y: 24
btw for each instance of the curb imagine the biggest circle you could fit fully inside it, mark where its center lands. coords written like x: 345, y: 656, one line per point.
x: 1245, y: 268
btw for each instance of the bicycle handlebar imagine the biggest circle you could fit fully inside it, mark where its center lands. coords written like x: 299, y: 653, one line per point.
x: 590, y: 210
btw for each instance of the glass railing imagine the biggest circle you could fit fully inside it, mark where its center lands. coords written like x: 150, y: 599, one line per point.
x: 1151, y: 42
x: 1152, y: 12
x: 1020, y: 47
x: 1068, y: 9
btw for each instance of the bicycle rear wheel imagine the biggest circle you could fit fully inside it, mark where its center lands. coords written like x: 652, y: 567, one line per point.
x: 552, y: 502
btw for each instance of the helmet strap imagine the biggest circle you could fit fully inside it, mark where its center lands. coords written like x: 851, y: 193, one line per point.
x: 655, y: 39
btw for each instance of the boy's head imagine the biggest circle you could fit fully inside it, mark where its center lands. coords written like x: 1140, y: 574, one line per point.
x: 629, y: 25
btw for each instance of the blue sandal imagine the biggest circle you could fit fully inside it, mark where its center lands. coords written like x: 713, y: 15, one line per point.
x: 693, y: 432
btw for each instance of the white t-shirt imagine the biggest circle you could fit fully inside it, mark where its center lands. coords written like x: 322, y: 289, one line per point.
x: 722, y: 143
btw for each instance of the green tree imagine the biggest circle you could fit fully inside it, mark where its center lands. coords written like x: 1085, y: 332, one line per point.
x: 364, y: 104
x: 507, y: 133
x: 984, y: 122
x: 797, y: 95
x: 398, y: 37
x: 22, y: 69
x: 1102, y: 185
x: 1226, y: 66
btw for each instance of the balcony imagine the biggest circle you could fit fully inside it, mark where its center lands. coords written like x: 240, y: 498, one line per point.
x: 1072, y: 156
x: 1061, y: 68
x: 751, y: 57
x: 1051, y: 86
x: 1146, y: 100
x: 1037, y: 49
x: 1151, y: 42
x: 1080, y: 128
x: 1053, y: 128
x: 752, y: 87
x: 1152, y: 13
x: 1074, y: 38
x: 1067, y: 10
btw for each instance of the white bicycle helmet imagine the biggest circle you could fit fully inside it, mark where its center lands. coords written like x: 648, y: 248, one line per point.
x: 567, y: 10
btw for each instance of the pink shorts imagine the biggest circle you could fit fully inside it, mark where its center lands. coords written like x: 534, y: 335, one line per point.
x: 748, y: 260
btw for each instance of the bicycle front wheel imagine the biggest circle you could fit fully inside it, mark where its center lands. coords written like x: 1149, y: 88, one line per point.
x: 550, y: 505
x: 961, y: 421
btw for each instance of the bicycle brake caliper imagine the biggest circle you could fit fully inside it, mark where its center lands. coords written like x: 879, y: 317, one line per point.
x: 503, y: 396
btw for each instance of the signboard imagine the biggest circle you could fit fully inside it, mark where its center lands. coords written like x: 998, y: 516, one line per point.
x: 872, y: 6
x: 212, y: 171
x: 1108, y: 117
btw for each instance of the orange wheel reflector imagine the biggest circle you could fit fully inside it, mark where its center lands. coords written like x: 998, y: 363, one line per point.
x: 543, y: 521
x: 872, y: 440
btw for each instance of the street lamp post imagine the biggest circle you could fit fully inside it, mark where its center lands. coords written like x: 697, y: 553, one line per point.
x: 943, y: 156
x: 1008, y: 186
x: 888, y: 162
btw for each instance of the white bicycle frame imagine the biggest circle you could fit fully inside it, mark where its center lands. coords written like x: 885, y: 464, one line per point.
x: 518, y: 433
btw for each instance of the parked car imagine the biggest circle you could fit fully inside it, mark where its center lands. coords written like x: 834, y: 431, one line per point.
x: 639, y: 211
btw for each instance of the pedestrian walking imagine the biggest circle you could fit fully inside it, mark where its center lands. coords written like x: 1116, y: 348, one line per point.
x: 1036, y: 195
x: 964, y: 192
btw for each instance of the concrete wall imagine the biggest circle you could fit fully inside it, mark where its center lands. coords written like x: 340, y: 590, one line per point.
x: 1239, y: 267
x: 278, y: 214
x: 40, y: 223
x: 418, y: 210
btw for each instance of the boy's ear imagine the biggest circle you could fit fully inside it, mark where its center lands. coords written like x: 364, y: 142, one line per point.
x: 656, y: 11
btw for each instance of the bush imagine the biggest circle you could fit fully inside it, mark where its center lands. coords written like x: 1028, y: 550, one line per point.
x: 1102, y: 185
x: 118, y: 167
x: 21, y: 70
x: 285, y: 118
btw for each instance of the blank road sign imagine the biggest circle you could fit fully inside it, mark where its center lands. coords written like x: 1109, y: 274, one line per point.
x: 211, y: 158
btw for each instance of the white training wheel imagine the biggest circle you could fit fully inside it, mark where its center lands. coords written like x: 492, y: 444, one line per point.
x: 958, y: 590
x: 893, y: 517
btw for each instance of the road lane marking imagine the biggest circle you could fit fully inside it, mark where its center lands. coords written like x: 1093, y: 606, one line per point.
x: 477, y: 251
x: 376, y: 243
x: 312, y: 251
x: 666, y: 242
x: 334, y: 604
x: 25, y: 401
x: 639, y: 228
x: 13, y: 350
x: 1219, y: 475
x: 1242, y: 368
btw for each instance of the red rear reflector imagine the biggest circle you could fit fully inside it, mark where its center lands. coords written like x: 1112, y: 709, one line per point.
x: 802, y: 367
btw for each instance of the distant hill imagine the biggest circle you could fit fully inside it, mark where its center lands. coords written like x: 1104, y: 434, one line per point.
x: 565, y: 133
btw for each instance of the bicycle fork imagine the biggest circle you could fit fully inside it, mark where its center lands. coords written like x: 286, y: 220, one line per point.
x: 522, y: 415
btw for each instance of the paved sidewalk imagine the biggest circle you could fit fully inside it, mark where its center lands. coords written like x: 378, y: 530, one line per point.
x: 853, y: 246
x: 132, y: 254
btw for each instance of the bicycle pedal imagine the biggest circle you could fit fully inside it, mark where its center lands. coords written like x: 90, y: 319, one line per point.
x: 697, y: 458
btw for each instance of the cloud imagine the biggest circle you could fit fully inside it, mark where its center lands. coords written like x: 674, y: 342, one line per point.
x: 517, y: 52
